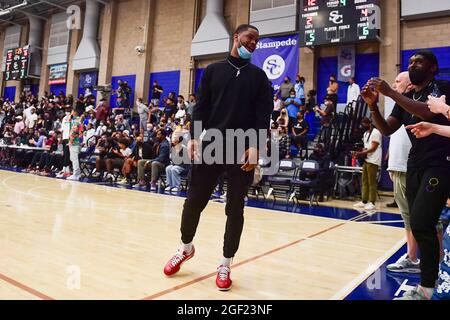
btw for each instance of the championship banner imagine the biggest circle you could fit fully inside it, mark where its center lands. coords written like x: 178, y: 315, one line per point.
x: 278, y: 57
x: 346, y: 63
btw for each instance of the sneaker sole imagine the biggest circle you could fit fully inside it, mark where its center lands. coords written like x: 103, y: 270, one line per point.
x: 181, y: 264
x: 224, y: 289
x: 414, y: 271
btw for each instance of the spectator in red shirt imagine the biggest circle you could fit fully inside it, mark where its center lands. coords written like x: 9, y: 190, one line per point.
x: 102, y: 112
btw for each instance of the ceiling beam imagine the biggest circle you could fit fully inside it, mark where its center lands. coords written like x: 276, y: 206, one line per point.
x: 10, y: 22
x: 53, y: 4
x: 31, y: 15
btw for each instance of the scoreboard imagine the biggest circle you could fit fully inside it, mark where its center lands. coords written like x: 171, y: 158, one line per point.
x: 17, y: 63
x: 338, y: 21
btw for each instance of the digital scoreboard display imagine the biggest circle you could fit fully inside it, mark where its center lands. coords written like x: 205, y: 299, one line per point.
x: 339, y: 21
x: 17, y: 63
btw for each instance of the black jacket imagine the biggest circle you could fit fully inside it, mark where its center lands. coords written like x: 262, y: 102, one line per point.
x: 227, y: 101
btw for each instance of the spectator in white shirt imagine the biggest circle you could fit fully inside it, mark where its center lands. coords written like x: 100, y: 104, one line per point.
x: 353, y: 91
x: 372, y: 152
x: 32, y: 119
x: 399, y: 148
x: 143, y: 112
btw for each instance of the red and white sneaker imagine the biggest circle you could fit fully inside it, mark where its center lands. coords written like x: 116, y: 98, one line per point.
x: 175, y: 263
x: 223, y: 281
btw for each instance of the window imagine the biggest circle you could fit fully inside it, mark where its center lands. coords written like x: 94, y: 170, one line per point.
x: 59, y: 34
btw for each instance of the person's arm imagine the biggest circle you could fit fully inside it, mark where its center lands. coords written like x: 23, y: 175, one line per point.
x: 164, y: 152
x: 305, y: 131
x: 202, y: 108
x: 372, y: 149
x: 424, y: 129
x: 293, y: 132
x: 417, y: 108
x: 264, y: 110
x: 386, y: 127
x: 321, y: 112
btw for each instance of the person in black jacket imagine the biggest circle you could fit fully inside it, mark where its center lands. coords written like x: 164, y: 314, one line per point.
x: 234, y: 94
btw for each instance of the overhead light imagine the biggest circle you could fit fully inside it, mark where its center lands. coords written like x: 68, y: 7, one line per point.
x: 9, y: 10
x: 6, y: 11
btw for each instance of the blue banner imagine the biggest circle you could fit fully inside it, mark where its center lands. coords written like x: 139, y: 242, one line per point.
x: 88, y: 79
x: 278, y: 57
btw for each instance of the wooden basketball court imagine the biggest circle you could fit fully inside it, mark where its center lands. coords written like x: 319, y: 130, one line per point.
x: 70, y: 240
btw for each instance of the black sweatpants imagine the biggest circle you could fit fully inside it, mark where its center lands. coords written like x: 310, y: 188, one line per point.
x: 427, y: 193
x: 203, y: 179
x: 66, y: 154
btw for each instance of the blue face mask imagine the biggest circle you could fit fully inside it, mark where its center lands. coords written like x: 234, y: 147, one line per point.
x: 243, y: 52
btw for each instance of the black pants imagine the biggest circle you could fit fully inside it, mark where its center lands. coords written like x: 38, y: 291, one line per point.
x: 427, y: 192
x: 201, y: 185
x: 66, y: 154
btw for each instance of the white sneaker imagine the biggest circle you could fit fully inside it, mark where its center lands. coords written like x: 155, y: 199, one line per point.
x: 174, y: 190
x: 359, y: 205
x: 124, y: 181
x: 168, y: 189
x: 60, y: 174
x: 404, y: 264
x: 369, y: 206
x: 73, y: 178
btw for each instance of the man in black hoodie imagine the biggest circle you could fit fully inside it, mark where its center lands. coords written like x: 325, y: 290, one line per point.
x: 234, y: 94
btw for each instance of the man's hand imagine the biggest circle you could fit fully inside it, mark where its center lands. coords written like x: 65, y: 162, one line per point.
x: 381, y: 86
x: 438, y: 105
x: 251, y: 159
x: 370, y: 97
x: 193, y: 148
x: 422, y: 130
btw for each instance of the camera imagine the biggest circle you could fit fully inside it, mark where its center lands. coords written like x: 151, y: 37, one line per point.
x: 139, y: 49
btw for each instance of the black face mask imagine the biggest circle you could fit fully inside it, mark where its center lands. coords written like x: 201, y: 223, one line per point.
x: 417, y: 76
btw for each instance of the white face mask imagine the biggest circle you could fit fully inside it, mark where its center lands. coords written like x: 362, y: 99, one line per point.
x: 67, y: 114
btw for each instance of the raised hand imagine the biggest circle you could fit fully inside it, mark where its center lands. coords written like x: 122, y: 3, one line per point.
x: 438, y: 105
x: 380, y: 86
x: 422, y: 129
x: 370, y: 96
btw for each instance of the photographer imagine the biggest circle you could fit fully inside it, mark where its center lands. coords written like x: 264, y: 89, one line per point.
x: 372, y: 154
x: 123, y: 95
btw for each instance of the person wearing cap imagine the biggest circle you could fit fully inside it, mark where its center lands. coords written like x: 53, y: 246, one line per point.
x: 428, y: 169
x: 19, y: 126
